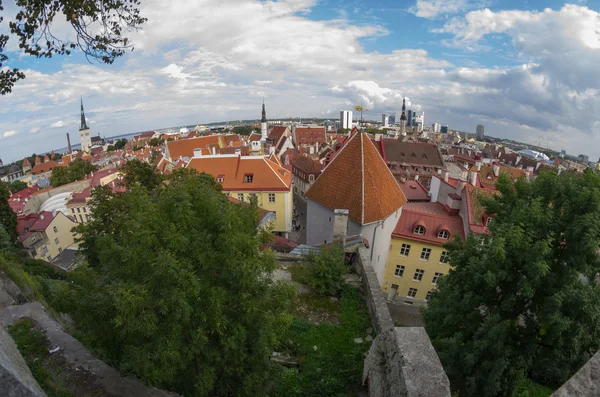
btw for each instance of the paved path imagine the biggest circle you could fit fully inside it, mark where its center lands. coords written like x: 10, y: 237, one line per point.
x: 405, y: 315
x: 300, y: 216
x: 77, y: 355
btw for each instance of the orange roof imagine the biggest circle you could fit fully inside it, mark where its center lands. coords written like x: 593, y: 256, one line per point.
x: 273, y: 157
x: 309, y: 135
x: 26, y: 162
x: 433, y: 218
x: 66, y: 159
x: 44, y: 167
x: 185, y: 147
x: 37, y: 160
x: 414, y: 190
x: 358, y: 180
x: 46, y: 158
x: 265, y: 174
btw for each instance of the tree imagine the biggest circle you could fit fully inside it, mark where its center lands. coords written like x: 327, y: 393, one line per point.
x: 6, y: 243
x: 17, y: 186
x: 59, y: 177
x: 326, y: 270
x: 8, y: 219
x: 141, y: 173
x: 110, y: 148
x: 176, y: 291
x: 120, y: 143
x: 242, y: 129
x: 523, y: 301
x: 75, y: 171
x: 99, y: 26
x: 156, y: 142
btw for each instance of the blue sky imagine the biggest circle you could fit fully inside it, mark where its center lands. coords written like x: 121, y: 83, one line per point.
x: 526, y: 70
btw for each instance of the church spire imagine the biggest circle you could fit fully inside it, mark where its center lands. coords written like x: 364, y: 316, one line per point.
x: 403, y: 116
x: 264, y: 113
x: 83, y: 123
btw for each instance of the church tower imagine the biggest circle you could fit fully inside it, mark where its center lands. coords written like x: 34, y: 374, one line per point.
x: 84, y: 133
x: 403, y: 118
x: 263, y: 125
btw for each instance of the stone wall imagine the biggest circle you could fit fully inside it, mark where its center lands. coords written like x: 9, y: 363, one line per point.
x: 586, y: 382
x: 35, y: 203
x: 401, y: 361
x: 16, y: 379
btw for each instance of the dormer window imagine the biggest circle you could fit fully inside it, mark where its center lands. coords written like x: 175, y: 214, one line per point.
x: 488, y: 221
x: 220, y: 178
x: 444, y: 234
x: 248, y: 178
x: 420, y: 230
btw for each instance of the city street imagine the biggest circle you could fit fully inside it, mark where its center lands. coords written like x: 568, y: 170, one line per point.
x: 298, y: 234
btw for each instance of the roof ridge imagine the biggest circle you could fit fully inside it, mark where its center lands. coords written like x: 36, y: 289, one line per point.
x: 267, y: 161
x: 362, y: 189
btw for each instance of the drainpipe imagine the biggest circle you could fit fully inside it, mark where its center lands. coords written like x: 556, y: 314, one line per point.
x: 373, y: 242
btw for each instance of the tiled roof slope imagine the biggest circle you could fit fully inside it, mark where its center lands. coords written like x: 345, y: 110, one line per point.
x: 433, y: 218
x: 411, y: 153
x: 358, y: 180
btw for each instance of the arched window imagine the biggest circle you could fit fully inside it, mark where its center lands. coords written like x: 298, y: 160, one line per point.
x: 443, y: 234
x: 420, y: 230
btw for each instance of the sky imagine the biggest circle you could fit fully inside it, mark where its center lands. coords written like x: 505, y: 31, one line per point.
x: 527, y: 70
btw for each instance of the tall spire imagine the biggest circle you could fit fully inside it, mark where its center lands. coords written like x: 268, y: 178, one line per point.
x: 83, y: 123
x: 264, y: 113
x: 403, y: 116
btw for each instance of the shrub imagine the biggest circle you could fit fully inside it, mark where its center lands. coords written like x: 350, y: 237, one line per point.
x: 326, y: 270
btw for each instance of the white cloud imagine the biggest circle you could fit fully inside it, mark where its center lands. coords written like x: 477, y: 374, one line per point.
x: 436, y: 8
x: 58, y: 124
x: 175, y: 72
x: 10, y: 133
x: 35, y: 130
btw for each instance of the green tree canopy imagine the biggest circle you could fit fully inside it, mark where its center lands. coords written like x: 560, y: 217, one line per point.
x: 138, y: 172
x: 176, y: 291
x: 156, y: 142
x: 8, y: 219
x: 523, y: 301
x: 17, y: 186
x: 99, y: 27
x: 75, y: 171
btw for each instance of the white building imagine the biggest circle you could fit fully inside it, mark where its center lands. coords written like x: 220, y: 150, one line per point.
x: 346, y: 119
x: 84, y: 133
x: 384, y: 120
x: 437, y: 127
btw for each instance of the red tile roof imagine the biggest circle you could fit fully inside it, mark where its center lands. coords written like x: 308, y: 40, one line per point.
x: 307, y: 165
x: 414, y: 191
x: 358, y: 180
x: 277, y: 132
x: 266, y: 175
x: 475, y: 209
x: 44, y: 219
x: 43, y: 167
x: 394, y: 150
x: 433, y: 218
x: 254, y: 137
x: 26, y: 163
x: 310, y: 135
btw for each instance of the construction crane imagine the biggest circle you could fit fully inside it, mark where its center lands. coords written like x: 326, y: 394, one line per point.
x: 360, y: 108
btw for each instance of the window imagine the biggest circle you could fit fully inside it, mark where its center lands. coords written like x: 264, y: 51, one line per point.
x: 488, y: 221
x: 59, y: 249
x: 84, y: 210
x: 220, y: 178
x: 78, y: 210
x: 425, y: 254
x: 419, y: 230
x: 271, y: 197
x: 241, y: 196
x: 405, y: 250
x: 49, y: 258
x: 44, y: 250
x: 399, y: 272
x: 443, y: 234
x: 445, y: 257
x: 56, y: 241
x: 418, y: 275
x: 428, y: 296
x: 311, y: 178
x: 436, y: 278
x: 55, y: 229
x: 412, y: 292
x: 248, y: 178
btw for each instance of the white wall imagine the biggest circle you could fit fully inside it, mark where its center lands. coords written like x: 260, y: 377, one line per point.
x: 319, y: 223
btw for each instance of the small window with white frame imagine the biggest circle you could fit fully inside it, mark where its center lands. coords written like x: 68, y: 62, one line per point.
x: 271, y: 197
x: 420, y: 230
x: 241, y: 196
x: 445, y: 257
x: 405, y: 250
x: 248, y: 178
x: 488, y: 221
x: 56, y: 241
x: 425, y: 253
x: 428, y: 296
x: 444, y: 234
x: 418, y: 276
x: 436, y: 277
x: 399, y: 272
x: 412, y: 292
x: 220, y: 178
x: 55, y: 229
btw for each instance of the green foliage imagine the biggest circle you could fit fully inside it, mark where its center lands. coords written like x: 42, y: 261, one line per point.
x: 138, y: 172
x: 335, y: 368
x: 528, y: 388
x: 343, y: 130
x: 32, y: 26
x: 33, y: 346
x: 326, y: 270
x: 37, y: 267
x: 17, y: 186
x: 75, y: 171
x: 516, y: 303
x: 110, y: 148
x: 156, y: 142
x: 176, y: 291
x: 242, y: 130
x: 8, y: 219
x: 120, y: 143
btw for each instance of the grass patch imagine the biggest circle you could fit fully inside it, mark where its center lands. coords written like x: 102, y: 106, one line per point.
x: 529, y: 388
x: 335, y: 368
x: 299, y: 273
x: 33, y: 345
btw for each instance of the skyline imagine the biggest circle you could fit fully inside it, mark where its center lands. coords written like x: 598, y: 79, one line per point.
x: 527, y: 74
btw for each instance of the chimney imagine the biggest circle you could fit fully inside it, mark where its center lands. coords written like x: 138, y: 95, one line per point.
x: 446, y: 175
x: 403, y: 179
x: 238, y: 152
x: 496, y: 170
x: 340, y: 226
x: 478, y: 165
x: 460, y: 186
x: 473, y: 179
x: 464, y: 174
x: 530, y: 169
x: 272, y: 150
x: 197, y: 153
x: 378, y: 137
x: 68, y: 143
x: 416, y: 177
x: 214, y: 151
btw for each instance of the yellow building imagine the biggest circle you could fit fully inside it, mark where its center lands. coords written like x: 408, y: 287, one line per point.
x: 244, y: 177
x: 46, y: 235
x: 78, y: 206
x: 417, y: 258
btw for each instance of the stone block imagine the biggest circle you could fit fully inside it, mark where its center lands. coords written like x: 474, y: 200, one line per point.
x: 16, y: 379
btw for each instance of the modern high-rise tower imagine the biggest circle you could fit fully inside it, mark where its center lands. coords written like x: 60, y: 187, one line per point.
x: 346, y: 119
x: 479, y: 133
x: 84, y: 132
